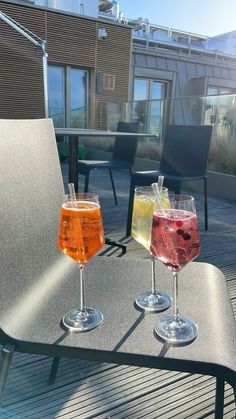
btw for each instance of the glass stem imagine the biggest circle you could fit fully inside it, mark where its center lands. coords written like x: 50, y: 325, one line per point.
x: 176, y: 296
x: 82, y: 297
x: 153, y: 274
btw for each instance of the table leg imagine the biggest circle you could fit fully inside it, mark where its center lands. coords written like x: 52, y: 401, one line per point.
x: 73, y: 161
x: 73, y: 178
x: 219, y: 404
x: 6, y: 357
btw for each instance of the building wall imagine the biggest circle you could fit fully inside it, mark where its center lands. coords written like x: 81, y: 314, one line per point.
x: 186, y: 75
x: 71, y: 40
x: 21, y: 83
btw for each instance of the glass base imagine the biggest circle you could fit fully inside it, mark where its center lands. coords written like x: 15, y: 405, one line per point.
x: 153, y: 302
x: 182, y: 331
x: 80, y: 321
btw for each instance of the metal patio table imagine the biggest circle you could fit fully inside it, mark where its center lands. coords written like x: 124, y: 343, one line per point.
x: 126, y: 335
x: 74, y: 134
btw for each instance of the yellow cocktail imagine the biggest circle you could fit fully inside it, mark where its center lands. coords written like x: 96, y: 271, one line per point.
x: 144, y: 206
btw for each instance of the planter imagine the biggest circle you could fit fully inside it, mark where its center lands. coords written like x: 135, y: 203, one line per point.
x: 219, y: 184
x: 63, y: 151
x: 222, y: 185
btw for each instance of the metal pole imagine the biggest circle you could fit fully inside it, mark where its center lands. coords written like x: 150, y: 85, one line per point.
x: 45, y: 79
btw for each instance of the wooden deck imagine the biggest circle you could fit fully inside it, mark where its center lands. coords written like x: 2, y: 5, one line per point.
x: 93, y: 390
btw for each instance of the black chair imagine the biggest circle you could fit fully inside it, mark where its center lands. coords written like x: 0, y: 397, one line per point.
x: 123, y: 156
x: 184, y: 158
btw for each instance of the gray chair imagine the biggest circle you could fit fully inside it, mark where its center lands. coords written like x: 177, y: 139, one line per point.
x: 184, y: 158
x: 34, y: 274
x: 31, y: 194
x: 123, y: 156
x: 32, y: 268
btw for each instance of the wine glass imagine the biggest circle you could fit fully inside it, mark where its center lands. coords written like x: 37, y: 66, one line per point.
x: 144, y: 205
x: 175, y: 242
x: 81, y: 236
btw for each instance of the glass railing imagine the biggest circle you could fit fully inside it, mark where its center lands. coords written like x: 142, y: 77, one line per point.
x: 154, y: 116
x: 76, y: 117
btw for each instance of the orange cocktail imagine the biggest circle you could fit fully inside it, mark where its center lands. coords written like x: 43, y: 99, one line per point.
x: 81, y: 232
x: 81, y: 236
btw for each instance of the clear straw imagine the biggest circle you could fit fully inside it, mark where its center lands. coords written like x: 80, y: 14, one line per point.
x: 72, y: 195
x: 157, y: 195
x: 160, y: 182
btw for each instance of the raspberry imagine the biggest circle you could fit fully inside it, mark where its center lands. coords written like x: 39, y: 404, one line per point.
x: 180, y: 232
x: 179, y: 223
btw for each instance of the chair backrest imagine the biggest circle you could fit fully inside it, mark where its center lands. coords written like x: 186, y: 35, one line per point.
x: 31, y: 190
x: 185, y: 150
x: 125, y: 148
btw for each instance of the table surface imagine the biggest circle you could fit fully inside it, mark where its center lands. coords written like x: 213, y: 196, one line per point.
x: 97, y: 133
x: 126, y: 335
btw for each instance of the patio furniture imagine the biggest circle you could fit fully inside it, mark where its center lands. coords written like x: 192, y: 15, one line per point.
x: 123, y: 156
x: 39, y: 284
x: 183, y: 158
x: 76, y: 134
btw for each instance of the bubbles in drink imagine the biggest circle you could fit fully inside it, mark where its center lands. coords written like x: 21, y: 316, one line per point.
x: 81, y: 232
x: 175, y: 238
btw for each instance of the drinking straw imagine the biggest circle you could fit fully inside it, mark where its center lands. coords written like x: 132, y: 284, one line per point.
x: 157, y: 196
x: 160, y: 182
x: 72, y: 195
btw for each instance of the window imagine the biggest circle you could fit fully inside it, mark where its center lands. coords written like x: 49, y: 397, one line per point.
x: 77, y: 93
x: 108, y: 82
x: 56, y: 95
x: 68, y: 89
x: 218, y: 104
x: 148, y: 103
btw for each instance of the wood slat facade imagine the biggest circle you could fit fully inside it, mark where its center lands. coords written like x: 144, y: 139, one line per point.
x: 71, y: 40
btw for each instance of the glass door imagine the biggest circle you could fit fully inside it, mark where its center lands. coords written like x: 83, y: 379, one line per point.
x: 56, y: 95
x: 140, y: 102
x: 218, y: 103
x: 157, y: 94
x: 77, y: 98
x: 148, y: 104
x: 68, y: 89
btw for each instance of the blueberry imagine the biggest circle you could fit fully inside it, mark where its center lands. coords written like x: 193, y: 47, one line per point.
x: 186, y: 236
x: 155, y: 223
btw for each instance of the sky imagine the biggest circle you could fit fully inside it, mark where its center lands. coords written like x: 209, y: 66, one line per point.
x: 202, y: 17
